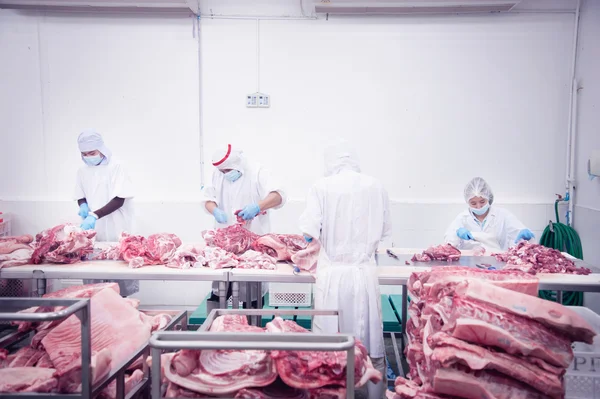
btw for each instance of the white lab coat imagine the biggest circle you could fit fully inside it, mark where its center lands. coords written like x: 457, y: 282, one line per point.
x: 348, y: 212
x: 497, y: 232
x: 99, y: 185
x: 253, y: 186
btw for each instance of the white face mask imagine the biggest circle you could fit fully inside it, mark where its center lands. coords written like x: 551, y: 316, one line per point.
x: 480, y: 211
x: 233, y: 175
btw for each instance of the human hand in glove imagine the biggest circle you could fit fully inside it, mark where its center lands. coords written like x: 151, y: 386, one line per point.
x: 249, y: 212
x: 84, y: 209
x: 524, y: 234
x: 464, y: 234
x: 89, y: 223
x: 220, y: 216
x: 307, y: 238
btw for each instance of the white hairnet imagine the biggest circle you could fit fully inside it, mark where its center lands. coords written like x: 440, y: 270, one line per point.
x: 90, y: 140
x: 228, y: 158
x: 339, y: 156
x: 478, y: 187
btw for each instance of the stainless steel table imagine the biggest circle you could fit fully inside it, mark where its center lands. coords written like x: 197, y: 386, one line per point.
x: 116, y: 270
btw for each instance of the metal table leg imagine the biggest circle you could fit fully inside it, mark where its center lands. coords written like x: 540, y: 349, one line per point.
x: 235, y: 294
x: 248, y: 299
x: 559, y: 297
x: 40, y: 281
x: 222, y: 295
x: 259, y: 304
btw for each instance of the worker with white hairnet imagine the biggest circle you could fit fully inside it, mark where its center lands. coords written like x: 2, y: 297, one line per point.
x: 483, y: 225
x: 240, y: 189
x: 348, y: 212
x: 104, y: 194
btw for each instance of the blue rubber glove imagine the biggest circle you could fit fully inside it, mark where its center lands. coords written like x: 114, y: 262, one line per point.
x: 89, y: 223
x: 249, y: 212
x: 220, y: 216
x: 84, y: 209
x: 307, y: 238
x: 464, y: 234
x: 524, y: 234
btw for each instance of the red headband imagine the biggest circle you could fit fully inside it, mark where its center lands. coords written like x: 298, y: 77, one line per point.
x: 225, y: 157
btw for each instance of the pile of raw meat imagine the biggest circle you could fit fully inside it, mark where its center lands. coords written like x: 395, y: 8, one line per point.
x: 535, y: 258
x: 485, y: 334
x: 445, y: 252
x: 281, y: 247
x: 257, y: 373
x: 64, y: 243
x: 52, y: 362
x: 15, y: 251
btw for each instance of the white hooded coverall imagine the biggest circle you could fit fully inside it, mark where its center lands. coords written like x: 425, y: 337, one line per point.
x: 348, y: 212
x: 254, y: 185
x: 99, y: 185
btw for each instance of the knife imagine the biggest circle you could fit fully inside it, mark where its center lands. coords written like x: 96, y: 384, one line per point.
x: 391, y: 254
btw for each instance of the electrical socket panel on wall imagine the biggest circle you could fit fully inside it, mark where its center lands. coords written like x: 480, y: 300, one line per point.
x: 258, y: 100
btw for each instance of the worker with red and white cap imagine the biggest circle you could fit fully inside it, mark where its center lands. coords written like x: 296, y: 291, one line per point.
x: 244, y: 186
x: 241, y: 188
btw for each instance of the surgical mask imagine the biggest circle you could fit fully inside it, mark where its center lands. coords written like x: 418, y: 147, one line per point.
x: 480, y: 211
x: 233, y: 175
x: 93, y: 160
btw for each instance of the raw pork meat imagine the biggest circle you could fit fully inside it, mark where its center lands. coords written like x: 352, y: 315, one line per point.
x: 18, y: 257
x: 306, y: 259
x: 221, y: 372
x: 28, y: 379
x: 217, y: 258
x: 72, y: 292
x: 117, y: 332
x: 445, y: 252
x: 186, y: 257
x: 155, y: 250
x: 64, y: 243
x: 280, y: 246
x: 26, y: 357
x: 110, y: 392
x: 512, y: 279
x: 535, y: 258
x: 475, y: 338
x: 256, y: 260
x: 12, y: 244
x: 235, y: 238
x: 309, y: 370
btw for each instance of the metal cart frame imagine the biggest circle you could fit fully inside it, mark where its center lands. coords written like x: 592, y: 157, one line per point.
x: 202, y: 340
x: 81, y: 308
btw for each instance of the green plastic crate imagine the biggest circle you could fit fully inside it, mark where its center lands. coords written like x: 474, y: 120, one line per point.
x: 390, y: 319
x: 396, y: 301
x: 199, y: 315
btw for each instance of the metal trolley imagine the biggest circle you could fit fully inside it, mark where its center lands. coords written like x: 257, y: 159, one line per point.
x: 203, y: 340
x: 80, y: 308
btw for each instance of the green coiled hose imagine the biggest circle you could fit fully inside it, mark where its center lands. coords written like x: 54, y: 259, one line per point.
x: 565, y: 239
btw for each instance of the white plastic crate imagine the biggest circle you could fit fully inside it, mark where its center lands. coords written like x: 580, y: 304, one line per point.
x: 5, y: 230
x: 290, y: 294
x: 582, y: 379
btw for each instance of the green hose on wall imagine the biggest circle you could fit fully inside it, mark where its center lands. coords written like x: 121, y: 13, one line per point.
x: 565, y: 239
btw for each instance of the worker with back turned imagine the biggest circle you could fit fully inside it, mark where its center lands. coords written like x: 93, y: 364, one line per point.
x: 348, y: 212
x: 483, y: 225
x: 240, y: 185
x: 104, y: 193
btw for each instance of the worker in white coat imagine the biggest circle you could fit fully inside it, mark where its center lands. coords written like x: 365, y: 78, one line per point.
x: 104, y: 193
x: 244, y: 187
x: 483, y: 225
x: 348, y: 212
